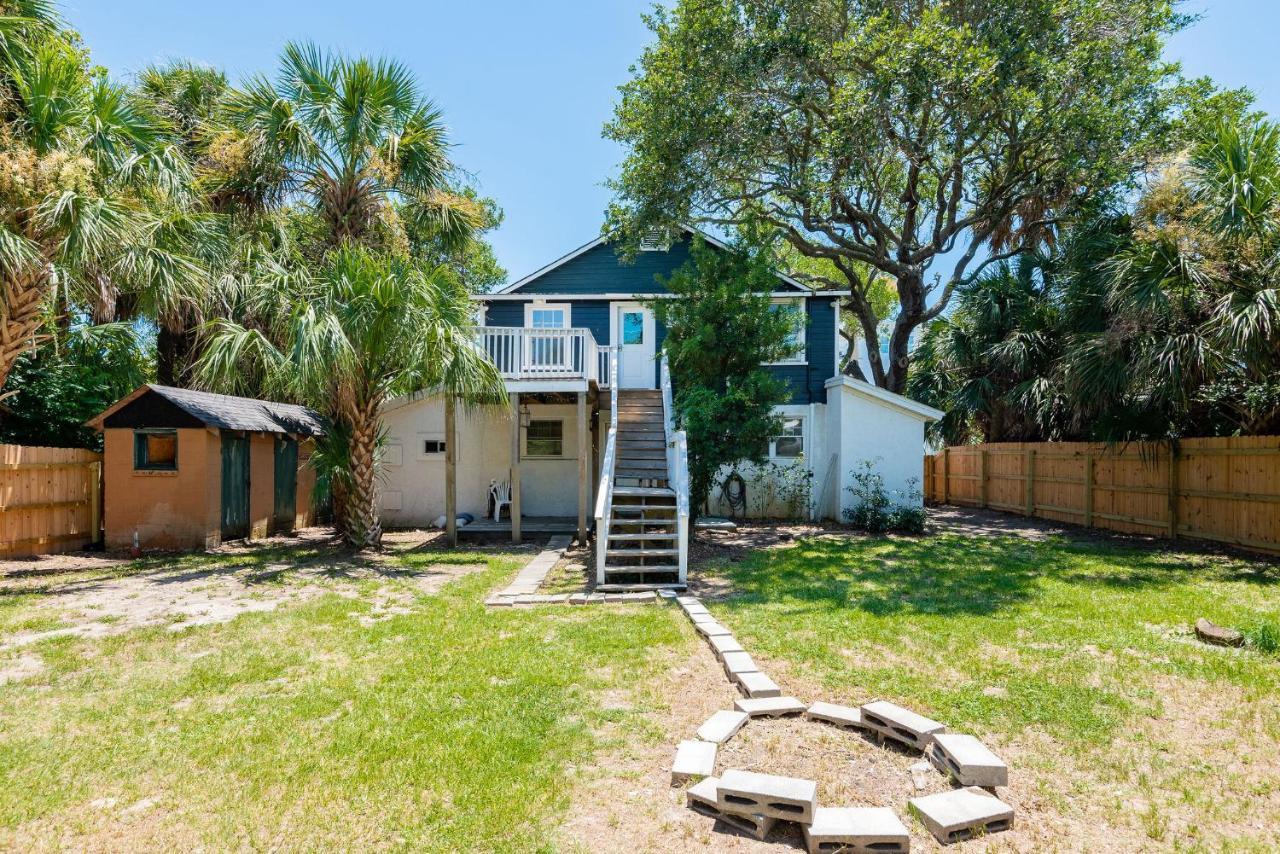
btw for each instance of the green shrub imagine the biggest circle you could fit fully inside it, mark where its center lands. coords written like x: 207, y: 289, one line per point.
x: 1264, y: 636
x: 876, y: 511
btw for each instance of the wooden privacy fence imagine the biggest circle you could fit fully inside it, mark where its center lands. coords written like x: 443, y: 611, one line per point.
x: 1223, y: 489
x: 50, y: 499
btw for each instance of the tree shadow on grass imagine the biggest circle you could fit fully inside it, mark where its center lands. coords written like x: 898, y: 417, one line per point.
x: 953, y: 575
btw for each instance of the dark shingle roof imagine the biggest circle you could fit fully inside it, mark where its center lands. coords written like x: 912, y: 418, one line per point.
x: 242, y: 413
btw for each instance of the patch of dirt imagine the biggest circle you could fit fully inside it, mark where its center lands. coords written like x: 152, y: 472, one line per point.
x: 98, y: 598
x: 24, y: 666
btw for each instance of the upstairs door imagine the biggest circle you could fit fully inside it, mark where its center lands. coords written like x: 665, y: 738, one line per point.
x: 633, y: 329
x: 286, y: 503
x: 235, y: 487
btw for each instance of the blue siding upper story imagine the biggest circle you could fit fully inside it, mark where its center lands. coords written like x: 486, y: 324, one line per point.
x: 600, y: 271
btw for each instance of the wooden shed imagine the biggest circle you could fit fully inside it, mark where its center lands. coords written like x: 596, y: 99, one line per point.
x: 190, y: 469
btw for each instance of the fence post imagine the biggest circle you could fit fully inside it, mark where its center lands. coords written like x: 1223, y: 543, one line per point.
x: 1173, y: 490
x: 1029, y: 469
x: 982, y: 477
x: 1088, y: 490
x: 95, y: 501
x: 946, y: 475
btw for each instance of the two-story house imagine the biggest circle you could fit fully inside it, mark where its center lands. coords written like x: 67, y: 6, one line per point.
x: 588, y: 437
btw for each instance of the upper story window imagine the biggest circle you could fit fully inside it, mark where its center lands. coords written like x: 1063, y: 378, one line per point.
x: 546, y: 315
x: 655, y: 240
x: 155, y: 450
x: 793, y: 309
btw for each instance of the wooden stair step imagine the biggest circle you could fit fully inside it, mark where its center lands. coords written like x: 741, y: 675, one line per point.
x: 639, y: 570
x: 612, y: 552
x: 642, y: 491
x: 651, y: 535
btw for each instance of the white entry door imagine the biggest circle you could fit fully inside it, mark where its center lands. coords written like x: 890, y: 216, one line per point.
x: 633, y: 329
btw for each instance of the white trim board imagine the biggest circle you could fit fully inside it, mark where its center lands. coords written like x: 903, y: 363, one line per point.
x: 878, y: 395
x: 612, y: 296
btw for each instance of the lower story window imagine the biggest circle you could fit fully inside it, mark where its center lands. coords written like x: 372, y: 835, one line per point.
x: 544, y: 438
x: 789, y: 443
x: 155, y: 450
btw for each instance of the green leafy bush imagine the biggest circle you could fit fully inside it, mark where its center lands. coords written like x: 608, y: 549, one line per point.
x: 877, y: 511
x: 1264, y: 636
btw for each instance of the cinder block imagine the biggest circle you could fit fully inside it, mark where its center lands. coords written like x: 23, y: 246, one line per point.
x: 738, y: 662
x: 968, y: 760
x: 694, y: 760
x: 769, y: 707
x: 722, y: 726
x: 497, y: 600
x: 667, y: 594
x: 856, y: 830
x: 578, y: 599
x: 711, y: 629
x: 701, y: 798
x: 902, y: 725
x: 749, y: 793
x: 845, y: 717
x: 960, y: 813
x: 725, y: 643
x: 757, y: 685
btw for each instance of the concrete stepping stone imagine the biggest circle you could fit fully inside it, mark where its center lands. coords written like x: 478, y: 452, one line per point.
x: 968, y: 760
x: 856, y: 830
x: 712, y: 629
x: 701, y: 797
x: 749, y: 793
x: 757, y: 685
x: 722, y: 726
x: 845, y: 717
x: 738, y: 662
x: 701, y: 618
x: 694, y: 760
x: 668, y: 594
x: 769, y: 707
x: 725, y: 643
x: 902, y: 725
x: 961, y: 813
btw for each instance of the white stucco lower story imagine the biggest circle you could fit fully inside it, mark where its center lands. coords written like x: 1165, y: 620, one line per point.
x: 413, y: 486
x: 858, y: 423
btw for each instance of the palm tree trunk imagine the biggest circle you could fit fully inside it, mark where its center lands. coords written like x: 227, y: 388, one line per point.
x: 362, y: 526
x: 24, y: 295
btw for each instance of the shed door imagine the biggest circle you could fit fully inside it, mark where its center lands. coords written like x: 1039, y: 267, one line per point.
x: 235, y: 487
x: 286, y: 485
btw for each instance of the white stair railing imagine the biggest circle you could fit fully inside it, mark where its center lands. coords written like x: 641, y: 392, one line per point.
x: 677, y: 468
x: 604, y: 494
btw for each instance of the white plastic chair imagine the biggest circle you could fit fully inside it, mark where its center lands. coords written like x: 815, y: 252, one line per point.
x: 500, y: 492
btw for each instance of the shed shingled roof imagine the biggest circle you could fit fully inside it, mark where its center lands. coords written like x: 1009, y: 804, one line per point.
x: 227, y: 412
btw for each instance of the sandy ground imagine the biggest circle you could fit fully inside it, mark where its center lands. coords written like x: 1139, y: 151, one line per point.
x: 93, y: 595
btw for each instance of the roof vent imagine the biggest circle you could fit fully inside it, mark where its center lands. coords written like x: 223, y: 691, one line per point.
x: 655, y: 240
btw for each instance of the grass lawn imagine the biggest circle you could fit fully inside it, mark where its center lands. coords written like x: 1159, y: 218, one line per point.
x: 367, y: 714
x: 1073, y: 658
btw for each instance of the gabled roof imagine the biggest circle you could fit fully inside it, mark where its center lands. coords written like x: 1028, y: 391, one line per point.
x: 603, y: 239
x: 875, y: 394
x: 226, y: 412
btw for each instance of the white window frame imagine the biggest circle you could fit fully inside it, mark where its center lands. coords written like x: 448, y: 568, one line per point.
x: 425, y: 437
x: 801, y: 357
x: 531, y: 307
x: 563, y: 440
x: 803, y: 437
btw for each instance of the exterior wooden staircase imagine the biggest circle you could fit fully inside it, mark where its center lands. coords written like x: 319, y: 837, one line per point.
x: 641, y: 522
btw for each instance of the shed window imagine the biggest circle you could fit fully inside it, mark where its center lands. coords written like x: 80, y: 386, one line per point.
x: 155, y: 450
x: 432, y: 446
x: 544, y: 438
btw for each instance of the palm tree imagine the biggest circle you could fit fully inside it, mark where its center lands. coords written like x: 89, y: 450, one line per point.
x: 357, y: 143
x: 85, y: 171
x: 365, y: 328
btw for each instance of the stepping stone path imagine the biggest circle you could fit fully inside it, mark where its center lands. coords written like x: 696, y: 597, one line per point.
x: 967, y: 760
x: 753, y: 802
x: 523, y: 591
x: 961, y: 813
x: 856, y: 830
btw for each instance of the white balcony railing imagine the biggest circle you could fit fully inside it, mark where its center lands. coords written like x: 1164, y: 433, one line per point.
x: 524, y: 353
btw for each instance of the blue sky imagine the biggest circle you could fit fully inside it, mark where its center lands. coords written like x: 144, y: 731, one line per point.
x: 526, y: 86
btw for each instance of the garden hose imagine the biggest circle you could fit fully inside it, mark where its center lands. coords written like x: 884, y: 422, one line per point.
x: 734, y: 493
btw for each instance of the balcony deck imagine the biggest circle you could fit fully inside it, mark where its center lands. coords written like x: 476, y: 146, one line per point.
x: 545, y: 359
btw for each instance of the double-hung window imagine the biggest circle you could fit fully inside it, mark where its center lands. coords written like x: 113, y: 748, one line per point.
x: 789, y: 442
x: 793, y: 310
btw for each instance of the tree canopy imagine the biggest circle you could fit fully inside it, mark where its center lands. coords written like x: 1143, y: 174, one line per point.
x: 884, y: 134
